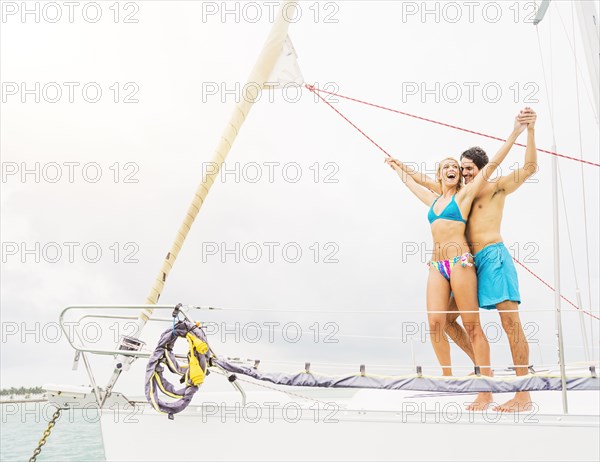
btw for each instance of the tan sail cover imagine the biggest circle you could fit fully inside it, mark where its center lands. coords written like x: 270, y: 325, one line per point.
x: 277, y: 51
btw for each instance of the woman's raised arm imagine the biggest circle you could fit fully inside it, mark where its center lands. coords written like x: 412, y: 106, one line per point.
x: 423, y: 193
x: 420, y: 178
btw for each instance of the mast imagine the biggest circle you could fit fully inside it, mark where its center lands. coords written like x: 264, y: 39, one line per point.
x: 557, y: 300
x: 587, y: 17
x: 555, y: 225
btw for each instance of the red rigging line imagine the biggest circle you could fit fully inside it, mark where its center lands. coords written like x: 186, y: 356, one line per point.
x: 348, y: 120
x: 316, y: 91
x: 554, y: 290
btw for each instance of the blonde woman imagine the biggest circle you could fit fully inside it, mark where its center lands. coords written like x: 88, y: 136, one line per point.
x: 451, y: 268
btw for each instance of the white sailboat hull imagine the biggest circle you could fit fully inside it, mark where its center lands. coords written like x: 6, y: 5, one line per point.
x: 421, y: 427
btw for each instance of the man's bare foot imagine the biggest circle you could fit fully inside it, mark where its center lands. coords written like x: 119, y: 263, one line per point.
x: 520, y: 403
x: 481, y: 403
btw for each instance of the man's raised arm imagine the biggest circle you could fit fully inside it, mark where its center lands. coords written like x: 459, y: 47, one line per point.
x: 513, y: 181
x: 488, y: 170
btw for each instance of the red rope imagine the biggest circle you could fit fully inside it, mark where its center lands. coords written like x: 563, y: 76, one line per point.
x: 554, y: 290
x: 315, y: 90
x: 349, y: 121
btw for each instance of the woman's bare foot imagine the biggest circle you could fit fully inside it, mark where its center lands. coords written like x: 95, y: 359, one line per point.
x: 520, y: 403
x: 481, y: 403
x: 491, y: 373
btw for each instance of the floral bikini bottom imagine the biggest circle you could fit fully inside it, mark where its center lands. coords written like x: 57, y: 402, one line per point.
x: 445, y: 266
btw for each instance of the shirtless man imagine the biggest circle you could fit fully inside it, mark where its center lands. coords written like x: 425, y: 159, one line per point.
x: 497, y: 283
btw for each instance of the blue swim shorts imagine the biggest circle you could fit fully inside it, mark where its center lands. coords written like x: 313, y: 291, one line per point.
x: 496, y: 276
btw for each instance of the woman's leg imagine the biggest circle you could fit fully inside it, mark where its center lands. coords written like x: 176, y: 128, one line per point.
x: 438, y: 291
x: 456, y: 332
x: 464, y: 286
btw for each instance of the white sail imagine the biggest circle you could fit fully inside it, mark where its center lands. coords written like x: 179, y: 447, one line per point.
x: 286, y: 71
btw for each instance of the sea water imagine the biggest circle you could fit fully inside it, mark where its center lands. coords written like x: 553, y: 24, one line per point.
x: 75, y: 437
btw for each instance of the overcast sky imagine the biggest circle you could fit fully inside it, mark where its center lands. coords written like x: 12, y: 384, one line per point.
x: 116, y: 176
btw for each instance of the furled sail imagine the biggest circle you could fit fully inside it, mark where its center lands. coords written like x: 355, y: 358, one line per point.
x: 416, y: 382
x: 275, y: 63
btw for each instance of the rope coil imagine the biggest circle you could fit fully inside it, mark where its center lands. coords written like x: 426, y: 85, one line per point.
x: 192, y: 374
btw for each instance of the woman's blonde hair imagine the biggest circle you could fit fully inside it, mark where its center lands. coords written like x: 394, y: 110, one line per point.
x: 439, y: 169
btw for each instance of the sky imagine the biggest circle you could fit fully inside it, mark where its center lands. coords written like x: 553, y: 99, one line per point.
x: 110, y: 115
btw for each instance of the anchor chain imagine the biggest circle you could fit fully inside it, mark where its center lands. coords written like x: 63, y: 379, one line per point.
x: 45, y: 435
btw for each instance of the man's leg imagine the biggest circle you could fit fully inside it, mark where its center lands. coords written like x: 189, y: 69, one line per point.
x: 456, y: 332
x: 511, y: 323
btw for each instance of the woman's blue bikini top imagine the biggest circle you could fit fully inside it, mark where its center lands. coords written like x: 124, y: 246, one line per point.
x: 450, y: 212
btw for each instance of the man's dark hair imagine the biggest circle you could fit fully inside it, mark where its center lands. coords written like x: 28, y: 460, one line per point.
x: 477, y: 155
